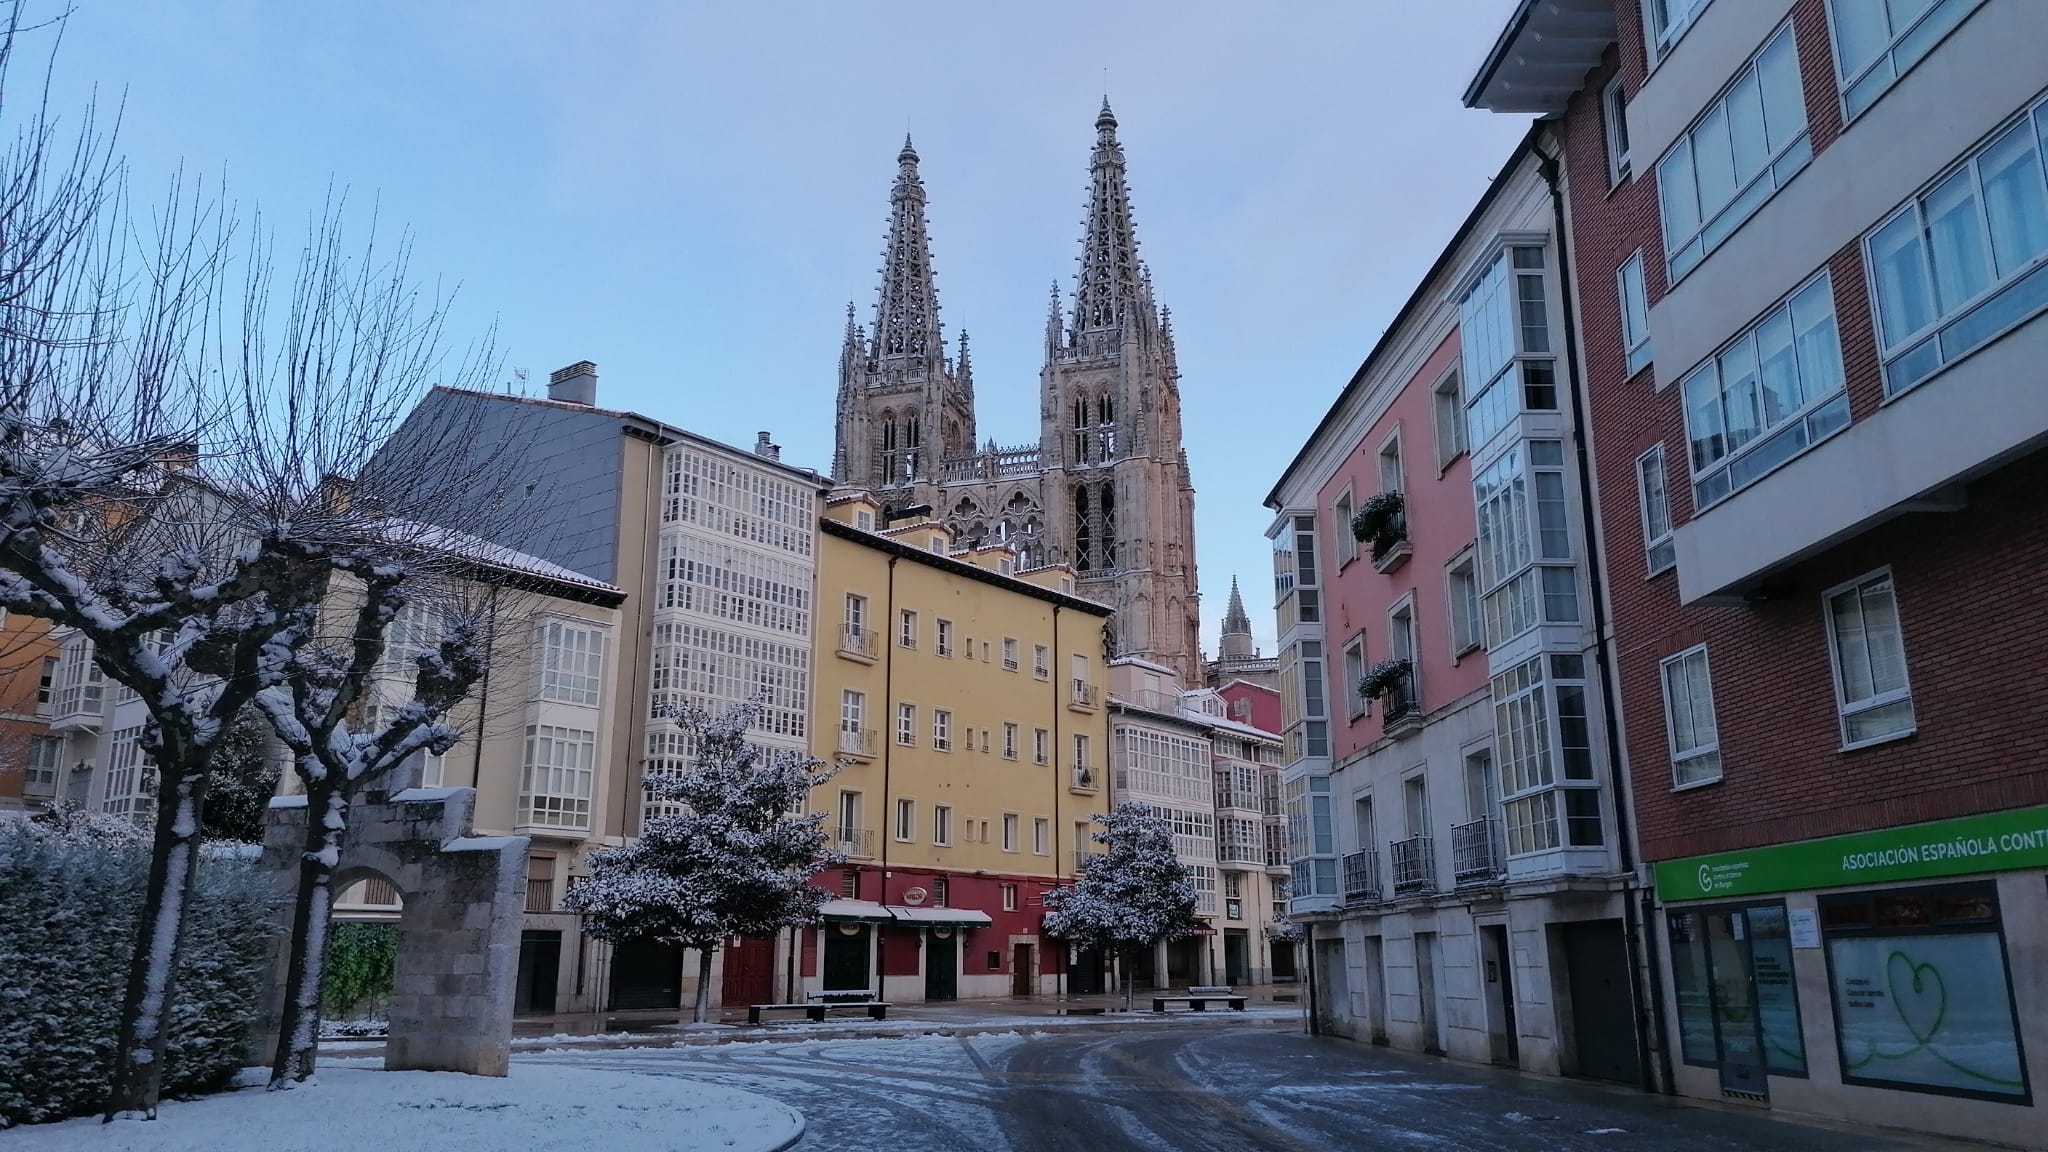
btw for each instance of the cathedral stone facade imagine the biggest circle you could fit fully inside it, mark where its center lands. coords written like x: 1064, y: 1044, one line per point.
x: 1105, y: 487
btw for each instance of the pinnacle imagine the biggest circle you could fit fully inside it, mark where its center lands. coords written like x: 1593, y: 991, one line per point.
x: 909, y: 154
x: 1105, y: 120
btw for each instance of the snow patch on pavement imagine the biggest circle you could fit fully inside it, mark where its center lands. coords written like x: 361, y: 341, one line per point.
x: 536, y: 1109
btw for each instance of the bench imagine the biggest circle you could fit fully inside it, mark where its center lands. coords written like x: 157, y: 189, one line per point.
x: 1199, y: 997
x: 876, y: 1010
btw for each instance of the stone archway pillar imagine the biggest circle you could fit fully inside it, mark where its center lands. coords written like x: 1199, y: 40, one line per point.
x: 458, y: 951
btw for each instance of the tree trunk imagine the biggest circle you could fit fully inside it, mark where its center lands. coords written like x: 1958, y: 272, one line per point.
x: 1130, y: 967
x: 146, y: 1008
x: 703, y: 985
x: 298, y: 1029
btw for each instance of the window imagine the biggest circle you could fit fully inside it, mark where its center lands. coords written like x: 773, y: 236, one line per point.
x: 1354, y: 671
x: 1732, y: 970
x: 1875, y: 44
x: 1295, y: 592
x: 906, y: 725
x: 1519, y: 588
x: 856, y: 616
x: 1464, y: 606
x: 131, y: 778
x: 1009, y: 831
x: 906, y: 629
x: 1962, y: 263
x: 1635, y: 313
x: 1347, y: 544
x: 1041, y: 836
x: 1689, y: 717
x: 572, y: 664
x: 44, y: 754
x: 849, y: 820
x: 81, y: 686
x: 1614, y: 119
x: 942, y: 824
x: 1406, y: 696
x: 1658, y: 546
x: 1746, y: 146
x: 906, y: 820
x: 1448, y: 410
x: 1041, y: 661
x: 1009, y: 653
x: 941, y: 892
x: 1870, y: 661
x: 1390, y: 469
x: 46, y: 686
x: 1769, y: 396
x: 1953, y: 1031
x: 1009, y: 897
x: 1009, y: 741
x: 1504, y: 320
x: 1080, y: 751
x: 1041, y: 744
x: 864, y: 520
x: 942, y: 730
x: 943, y: 645
x: 849, y: 884
x: 554, y: 791
x: 1669, y: 20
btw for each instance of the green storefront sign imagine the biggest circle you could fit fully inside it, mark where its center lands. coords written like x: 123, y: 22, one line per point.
x: 1993, y: 842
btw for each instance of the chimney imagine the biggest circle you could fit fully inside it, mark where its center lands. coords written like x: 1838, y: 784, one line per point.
x: 576, y: 384
x: 180, y: 457
x: 766, y: 450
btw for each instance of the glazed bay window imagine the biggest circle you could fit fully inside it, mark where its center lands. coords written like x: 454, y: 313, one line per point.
x: 1524, y: 549
x: 1660, y: 549
x: 1635, y: 313
x: 572, y: 663
x: 1296, y: 591
x: 1741, y: 151
x: 1876, y: 43
x: 1504, y: 321
x: 131, y: 778
x: 554, y: 789
x: 1767, y: 397
x: 1869, y: 653
x: 1967, y: 260
x: 1667, y: 20
x: 1550, y: 795
x: 1689, y: 718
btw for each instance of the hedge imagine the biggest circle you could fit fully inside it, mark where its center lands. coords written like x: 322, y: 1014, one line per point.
x: 70, y: 892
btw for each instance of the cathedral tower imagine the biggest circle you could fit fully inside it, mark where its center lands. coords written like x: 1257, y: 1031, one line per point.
x: 1105, y: 489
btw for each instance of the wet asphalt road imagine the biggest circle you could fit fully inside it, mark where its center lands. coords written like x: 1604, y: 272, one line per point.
x: 1228, y: 1088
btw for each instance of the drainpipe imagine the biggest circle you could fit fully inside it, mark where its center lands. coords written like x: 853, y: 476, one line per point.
x: 1308, y: 946
x: 1058, y: 817
x: 1649, y: 1014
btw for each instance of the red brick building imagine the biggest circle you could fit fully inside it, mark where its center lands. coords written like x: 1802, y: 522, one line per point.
x: 1809, y: 241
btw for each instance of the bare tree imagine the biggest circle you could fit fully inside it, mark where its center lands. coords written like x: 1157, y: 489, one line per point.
x: 170, y: 418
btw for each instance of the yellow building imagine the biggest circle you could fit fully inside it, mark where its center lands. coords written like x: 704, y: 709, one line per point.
x: 965, y: 700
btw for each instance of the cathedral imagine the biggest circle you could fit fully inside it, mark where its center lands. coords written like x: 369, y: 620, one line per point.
x: 1104, y: 488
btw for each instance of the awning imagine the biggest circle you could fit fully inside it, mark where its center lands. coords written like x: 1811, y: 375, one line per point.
x: 866, y: 910
x: 965, y: 916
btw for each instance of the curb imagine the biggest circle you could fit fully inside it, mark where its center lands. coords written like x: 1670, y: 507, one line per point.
x: 657, y: 1041
x: 803, y: 1127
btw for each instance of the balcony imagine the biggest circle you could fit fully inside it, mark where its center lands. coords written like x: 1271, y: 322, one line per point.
x: 1362, y: 878
x: 1084, y: 778
x: 1084, y: 860
x: 859, y: 743
x: 1414, y: 865
x: 540, y: 894
x: 1082, y: 696
x: 1382, y: 524
x: 858, y: 645
x: 1402, y: 714
x: 1392, y: 549
x: 854, y: 843
x: 1476, y: 857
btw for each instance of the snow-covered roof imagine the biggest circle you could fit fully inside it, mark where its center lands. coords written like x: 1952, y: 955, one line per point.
x: 483, y: 551
x: 868, y: 910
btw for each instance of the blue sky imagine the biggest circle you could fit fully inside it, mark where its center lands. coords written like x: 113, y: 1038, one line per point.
x: 689, y: 194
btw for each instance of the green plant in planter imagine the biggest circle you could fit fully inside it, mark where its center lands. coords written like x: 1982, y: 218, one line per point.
x: 1383, y: 678
x: 1378, y: 521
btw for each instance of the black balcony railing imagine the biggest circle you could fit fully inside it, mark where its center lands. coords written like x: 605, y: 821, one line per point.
x: 1361, y: 877
x: 1476, y: 857
x: 1414, y: 865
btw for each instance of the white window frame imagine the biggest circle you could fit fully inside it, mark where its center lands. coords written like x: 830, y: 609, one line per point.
x: 1695, y: 753
x: 1862, y: 90
x: 1012, y: 830
x: 1636, y: 351
x: 1447, y: 414
x: 1041, y: 662
x: 1041, y: 746
x: 1846, y: 708
x: 856, y: 614
x: 1041, y: 836
x: 942, y: 637
x: 1009, y: 740
x: 45, y: 761
x: 1465, y: 610
x: 552, y: 793
x: 906, y: 820
x: 942, y: 825
x: 1746, y: 197
x: 1614, y: 127
x: 1354, y: 653
x: 906, y: 629
x: 572, y: 663
x: 1009, y: 897
x: 1389, y: 466
x: 1010, y: 662
x: 1342, y: 509
x: 1660, y: 38
x: 1660, y: 548
x: 942, y: 729
x: 853, y: 710
x: 906, y: 725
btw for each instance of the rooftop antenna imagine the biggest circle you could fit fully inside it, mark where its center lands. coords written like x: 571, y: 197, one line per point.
x: 517, y: 386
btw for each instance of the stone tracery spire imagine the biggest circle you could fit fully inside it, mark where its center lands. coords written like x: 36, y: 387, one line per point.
x: 963, y: 373
x: 1108, y: 285
x: 1237, y: 626
x: 907, y: 308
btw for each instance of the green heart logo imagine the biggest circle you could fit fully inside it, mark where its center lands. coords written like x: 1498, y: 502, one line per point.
x: 1918, y: 995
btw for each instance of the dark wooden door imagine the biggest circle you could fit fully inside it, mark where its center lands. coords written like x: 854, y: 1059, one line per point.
x: 942, y: 963
x: 1603, y: 1009
x: 846, y: 958
x: 646, y: 975
x: 540, y: 968
x: 1023, y: 970
x: 749, y: 971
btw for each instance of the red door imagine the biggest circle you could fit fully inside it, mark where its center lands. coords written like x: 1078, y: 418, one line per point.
x: 749, y: 971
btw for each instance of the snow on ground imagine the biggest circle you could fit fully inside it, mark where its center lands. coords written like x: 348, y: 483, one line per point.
x: 841, y: 1026
x: 537, y: 1108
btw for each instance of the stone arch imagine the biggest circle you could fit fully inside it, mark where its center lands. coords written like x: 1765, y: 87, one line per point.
x: 459, y: 924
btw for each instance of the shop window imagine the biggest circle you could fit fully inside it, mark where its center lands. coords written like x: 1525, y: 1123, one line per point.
x: 1922, y: 993
x: 1738, y: 1005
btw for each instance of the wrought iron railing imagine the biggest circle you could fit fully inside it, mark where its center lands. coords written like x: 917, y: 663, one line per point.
x: 857, y: 642
x: 857, y: 742
x: 854, y: 841
x: 1476, y: 856
x: 1083, y: 694
x: 1414, y: 864
x: 1361, y: 877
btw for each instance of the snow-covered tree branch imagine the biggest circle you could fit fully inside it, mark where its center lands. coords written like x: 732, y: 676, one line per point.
x: 1135, y: 894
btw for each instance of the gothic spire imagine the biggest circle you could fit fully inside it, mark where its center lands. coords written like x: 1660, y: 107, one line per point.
x: 1108, y: 283
x: 1054, y: 328
x: 963, y: 374
x: 852, y: 349
x: 907, y: 308
x: 1235, y: 621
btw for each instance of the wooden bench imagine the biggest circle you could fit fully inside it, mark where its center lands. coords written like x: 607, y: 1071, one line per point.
x: 1199, y: 997
x: 875, y: 1009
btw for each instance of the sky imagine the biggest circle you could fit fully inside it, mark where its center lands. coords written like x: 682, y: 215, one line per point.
x: 689, y: 194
